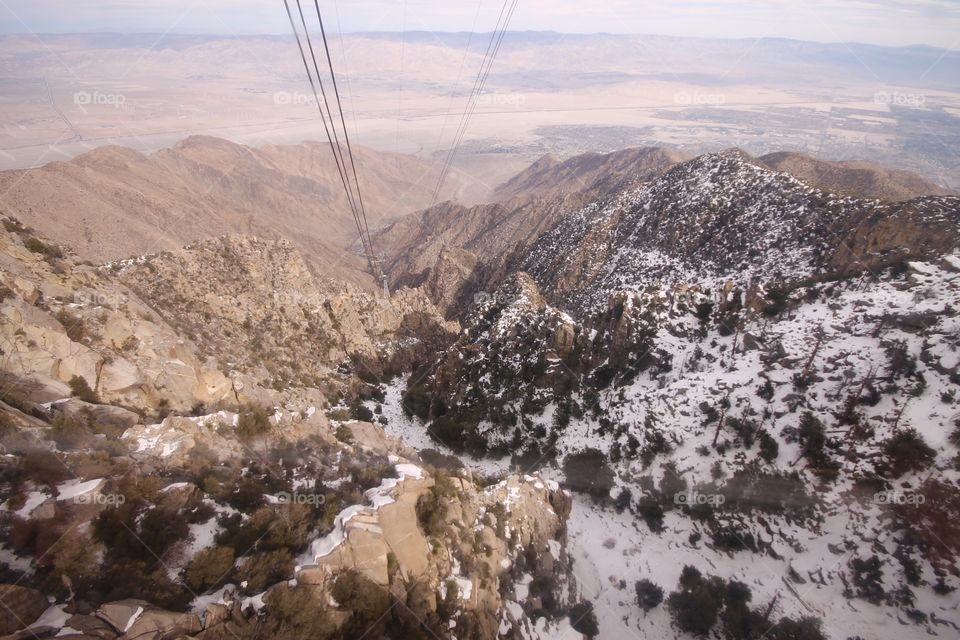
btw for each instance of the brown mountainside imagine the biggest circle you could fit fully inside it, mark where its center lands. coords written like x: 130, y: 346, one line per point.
x: 858, y: 178
x: 115, y: 202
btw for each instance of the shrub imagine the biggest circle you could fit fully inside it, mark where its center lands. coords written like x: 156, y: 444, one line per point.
x: 806, y: 628
x: 813, y: 440
x: 44, y: 467
x: 671, y: 484
x: 209, y: 567
x: 432, y: 506
x: 144, y: 580
x: 361, y: 412
x: 48, y: 250
x: 651, y: 511
x: 584, y: 620
x: 69, y: 434
x: 80, y: 388
x: 694, y: 608
x: 130, y: 537
x: 813, y: 436
x: 868, y: 579
x: 264, y: 569
x: 769, y: 447
x: 367, y: 601
x: 296, y: 613
x: 649, y: 595
x: 73, y: 325
x: 344, y: 434
x: 588, y: 472
x: 447, y: 607
x: 907, y: 451
x: 252, y: 423
x: 160, y: 529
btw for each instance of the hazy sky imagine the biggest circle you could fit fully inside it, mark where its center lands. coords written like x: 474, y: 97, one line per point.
x: 891, y: 22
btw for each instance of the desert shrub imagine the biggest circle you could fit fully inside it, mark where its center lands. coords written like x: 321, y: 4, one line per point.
x: 130, y: 535
x: 267, y: 529
x: 361, y: 412
x: 371, y: 475
x: 733, y: 538
x: 907, y: 451
x: 160, y: 529
x: 143, y: 580
x: 367, y: 602
x: 73, y: 325
x: 73, y: 558
x: 671, y: 484
x: 69, y: 434
x: 48, y: 250
x: 209, y: 567
x: 344, y: 434
x: 545, y: 587
x: 247, y: 494
x: 296, y: 613
x: 868, y: 579
x: 584, y: 620
x: 80, y: 388
x: 649, y: 595
x: 769, y: 447
x: 253, y: 422
x: 448, y: 605
x: 44, y: 467
x: 813, y: 440
x: 694, y: 608
x: 806, y: 628
x: 813, y: 436
x: 264, y: 569
x: 651, y: 510
x: 901, y: 362
x: 588, y: 472
x: 739, y: 621
x: 432, y: 506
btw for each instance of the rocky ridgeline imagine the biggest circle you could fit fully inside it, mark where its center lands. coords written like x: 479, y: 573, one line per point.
x: 726, y: 217
x: 63, y: 320
x: 224, y: 322
x: 256, y: 306
x: 821, y: 416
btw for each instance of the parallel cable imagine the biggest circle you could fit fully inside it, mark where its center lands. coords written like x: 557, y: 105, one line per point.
x: 338, y: 150
x: 358, y: 212
x: 493, y: 48
x: 343, y: 122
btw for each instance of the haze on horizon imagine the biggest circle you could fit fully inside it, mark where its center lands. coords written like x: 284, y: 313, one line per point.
x: 881, y: 22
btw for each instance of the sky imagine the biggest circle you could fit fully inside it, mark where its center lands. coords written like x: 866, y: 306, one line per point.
x: 884, y: 22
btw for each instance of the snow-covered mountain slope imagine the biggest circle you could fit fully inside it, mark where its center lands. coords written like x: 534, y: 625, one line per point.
x: 784, y: 445
x: 724, y: 216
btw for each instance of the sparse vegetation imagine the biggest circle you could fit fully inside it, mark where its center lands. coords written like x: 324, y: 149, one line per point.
x: 80, y: 388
